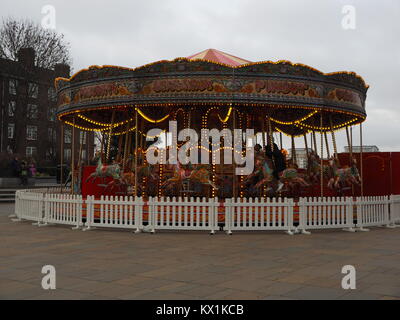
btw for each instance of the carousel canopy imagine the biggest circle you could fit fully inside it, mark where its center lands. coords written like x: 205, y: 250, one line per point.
x: 295, y: 98
x: 219, y: 57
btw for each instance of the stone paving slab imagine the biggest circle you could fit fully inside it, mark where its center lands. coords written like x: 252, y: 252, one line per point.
x: 112, y: 264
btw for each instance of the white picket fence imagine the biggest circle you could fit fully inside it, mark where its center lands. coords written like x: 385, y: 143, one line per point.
x: 325, y: 213
x: 114, y: 212
x: 29, y: 206
x: 260, y: 214
x: 63, y: 209
x: 394, y: 209
x: 372, y: 212
x: 202, y: 214
x: 183, y: 214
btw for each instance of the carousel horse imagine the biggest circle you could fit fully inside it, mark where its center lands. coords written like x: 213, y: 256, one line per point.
x: 201, y: 174
x: 104, y: 171
x: 291, y: 177
x: 314, y: 168
x: 179, y: 175
x: 342, y: 177
x: 261, y: 175
x: 127, y: 179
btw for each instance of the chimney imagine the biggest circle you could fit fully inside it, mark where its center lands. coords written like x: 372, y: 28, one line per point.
x: 27, y: 57
x: 62, y: 70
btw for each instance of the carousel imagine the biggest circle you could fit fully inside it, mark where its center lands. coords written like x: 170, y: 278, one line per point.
x: 132, y: 111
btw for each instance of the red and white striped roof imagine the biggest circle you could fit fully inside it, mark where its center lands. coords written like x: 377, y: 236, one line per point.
x: 220, y: 57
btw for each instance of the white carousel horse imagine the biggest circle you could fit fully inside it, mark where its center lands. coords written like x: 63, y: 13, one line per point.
x: 342, y: 177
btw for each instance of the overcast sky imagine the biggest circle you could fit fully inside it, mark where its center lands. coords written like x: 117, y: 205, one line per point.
x: 133, y: 33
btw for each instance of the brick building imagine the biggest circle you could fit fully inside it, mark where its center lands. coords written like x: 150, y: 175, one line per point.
x: 28, y: 125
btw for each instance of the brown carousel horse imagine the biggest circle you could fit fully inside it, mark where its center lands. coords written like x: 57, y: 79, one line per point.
x: 201, y: 174
x: 178, y: 176
x: 343, y: 177
x: 198, y: 173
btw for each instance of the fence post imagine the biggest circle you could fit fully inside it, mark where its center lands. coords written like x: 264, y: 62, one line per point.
x: 289, y: 217
x: 138, y: 205
x: 359, y: 204
x: 78, y: 202
x: 303, y: 203
x: 212, y: 214
x: 39, y: 209
x: 89, y: 214
x: 16, y: 215
x: 349, y: 215
x: 228, y: 215
x: 151, y: 218
x: 389, y: 220
x: 394, y: 215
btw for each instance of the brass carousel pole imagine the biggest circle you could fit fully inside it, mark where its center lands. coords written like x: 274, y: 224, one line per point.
x: 264, y: 192
x: 294, y: 158
x: 327, y: 146
x: 62, y: 157
x: 119, y: 153
x: 263, y: 130
x: 322, y: 154
x: 305, y: 143
x: 349, y: 143
x: 109, y: 136
x: 361, y: 161
x: 73, y: 157
x: 81, y: 136
x: 335, y: 154
x: 135, y: 153
x: 102, y: 148
x: 125, y: 147
x: 234, y: 171
x: 315, y: 141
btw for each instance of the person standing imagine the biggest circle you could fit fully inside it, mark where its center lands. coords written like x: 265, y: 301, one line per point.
x: 16, y: 167
x: 32, y: 170
x: 279, y: 161
x: 24, y: 173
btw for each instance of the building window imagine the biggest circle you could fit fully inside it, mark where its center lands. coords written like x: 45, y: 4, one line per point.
x: 83, y: 155
x: 11, y: 128
x: 82, y: 137
x: 30, y: 151
x: 51, y: 94
x: 67, y: 154
x: 33, y: 90
x: 32, y: 111
x: 52, y: 135
x: 67, y: 135
x: 31, y: 132
x: 11, y: 108
x: 12, y: 86
x: 50, y: 154
x: 51, y: 114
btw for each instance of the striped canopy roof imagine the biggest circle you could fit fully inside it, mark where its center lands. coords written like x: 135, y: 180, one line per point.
x: 220, y: 57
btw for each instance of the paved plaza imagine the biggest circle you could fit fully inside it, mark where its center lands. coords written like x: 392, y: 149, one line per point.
x: 108, y: 264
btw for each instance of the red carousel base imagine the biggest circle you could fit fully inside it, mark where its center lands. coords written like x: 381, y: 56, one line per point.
x: 380, y: 170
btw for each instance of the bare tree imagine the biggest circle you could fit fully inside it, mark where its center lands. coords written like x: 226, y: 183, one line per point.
x: 50, y: 46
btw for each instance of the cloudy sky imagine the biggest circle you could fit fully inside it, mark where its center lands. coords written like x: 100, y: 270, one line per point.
x: 133, y: 33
